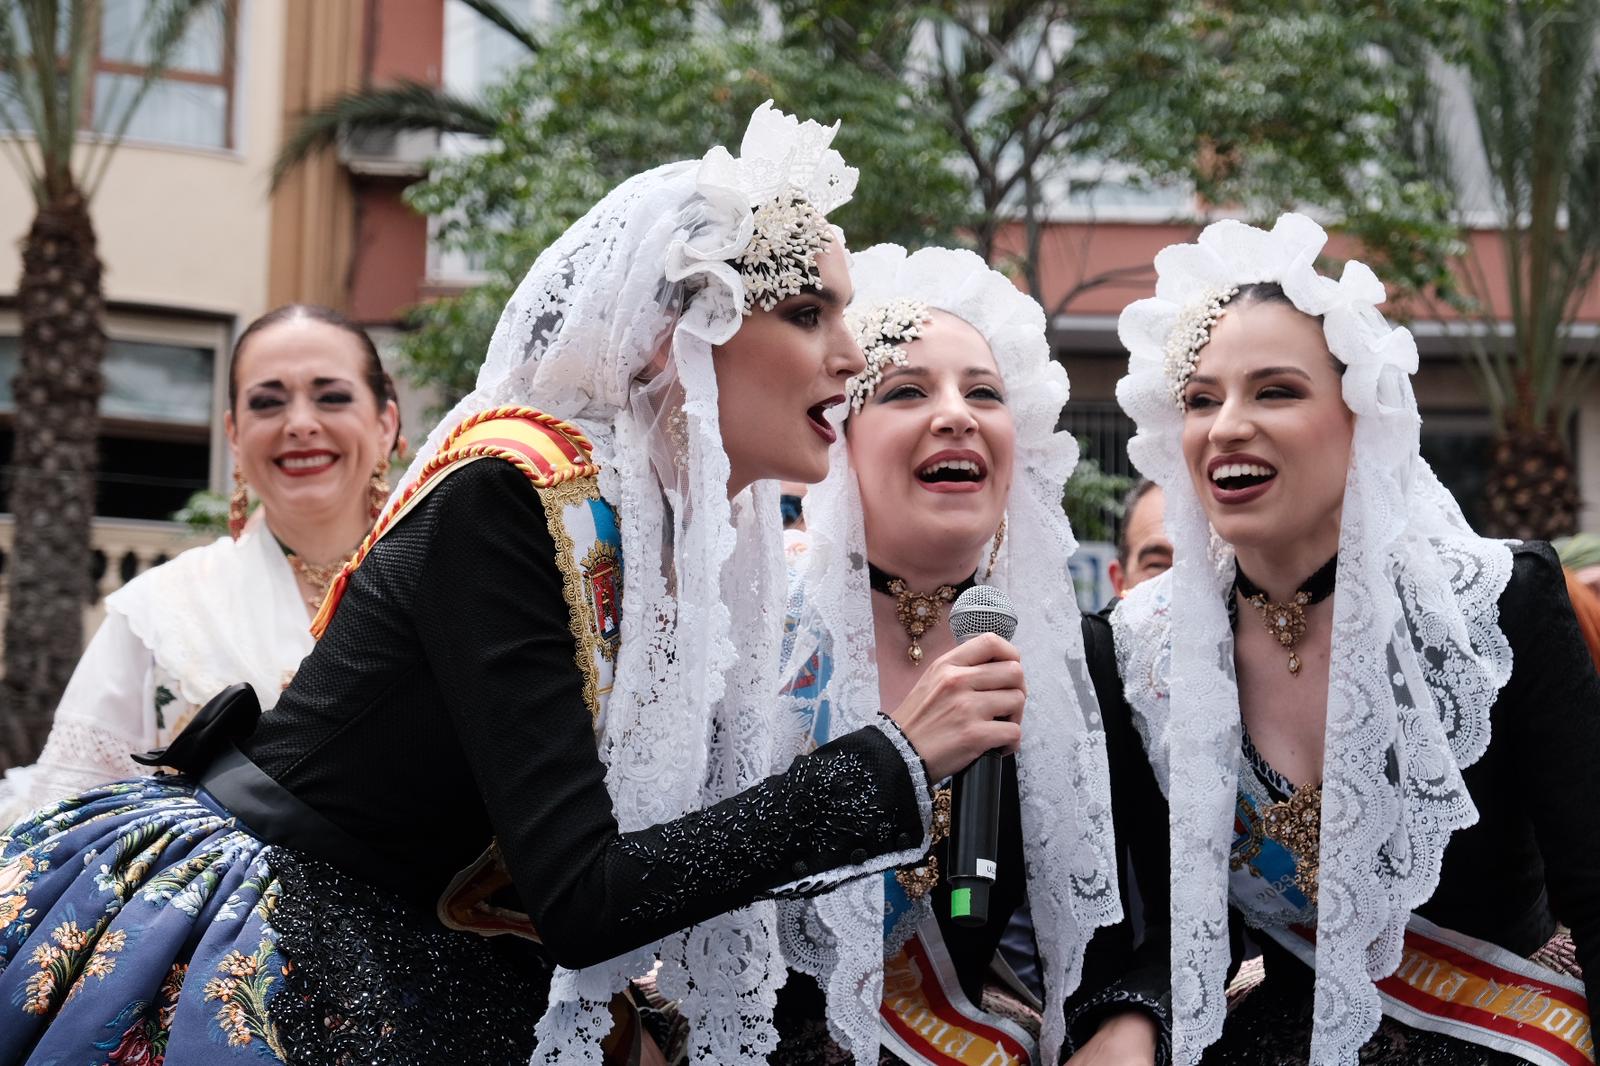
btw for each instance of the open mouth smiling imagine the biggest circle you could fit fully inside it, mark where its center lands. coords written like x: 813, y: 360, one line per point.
x: 304, y: 464
x: 1239, y: 478
x: 953, y: 471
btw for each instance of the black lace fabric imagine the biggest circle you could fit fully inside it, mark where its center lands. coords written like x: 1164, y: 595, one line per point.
x: 369, y: 979
x: 1271, y: 1026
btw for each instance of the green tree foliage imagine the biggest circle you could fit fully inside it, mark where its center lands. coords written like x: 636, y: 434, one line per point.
x: 1532, y: 71
x: 1257, y: 105
x: 611, y: 95
x: 1093, y: 498
x: 967, y: 120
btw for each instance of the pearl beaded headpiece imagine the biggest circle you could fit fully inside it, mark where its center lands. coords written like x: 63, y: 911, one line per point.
x: 882, y: 330
x: 788, y: 235
x: 1189, y: 334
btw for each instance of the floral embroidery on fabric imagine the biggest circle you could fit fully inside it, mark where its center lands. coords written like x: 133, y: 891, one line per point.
x: 57, y: 963
x: 121, y: 875
x: 144, y: 1042
x: 260, y: 886
x: 243, y: 992
x: 16, y: 878
x: 190, y: 884
x: 164, y: 696
x: 102, y: 960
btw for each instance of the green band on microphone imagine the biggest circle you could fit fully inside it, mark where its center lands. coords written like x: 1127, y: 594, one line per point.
x: 960, y: 902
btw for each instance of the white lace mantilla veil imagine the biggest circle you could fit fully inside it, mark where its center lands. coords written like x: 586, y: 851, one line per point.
x: 1062, y: 769
x: 648, y: 273
x: 1418, y: 656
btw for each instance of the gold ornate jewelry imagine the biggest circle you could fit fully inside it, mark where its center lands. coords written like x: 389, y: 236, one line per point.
x: 318, y: 577
x: 1296, y: 823
x: 238, y: 504
x: 994, y: 552
x: 918, y: 611
x: 378, y: 489
x: 918, y: 881
x: 1287, y: 621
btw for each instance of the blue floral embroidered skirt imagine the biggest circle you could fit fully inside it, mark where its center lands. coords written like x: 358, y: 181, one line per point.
x: 141, y: 923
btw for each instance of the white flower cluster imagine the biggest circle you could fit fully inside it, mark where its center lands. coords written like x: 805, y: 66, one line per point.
x: 881, y: 330
x: 1189, y: 334
x: 788, y: 233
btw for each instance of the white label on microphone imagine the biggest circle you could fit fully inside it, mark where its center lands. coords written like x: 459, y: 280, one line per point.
x: 986, y: 869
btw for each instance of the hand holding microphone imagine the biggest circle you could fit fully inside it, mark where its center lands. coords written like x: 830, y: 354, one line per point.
x: 967, y: 701
x: 975, y: 805
x: 964, y: 715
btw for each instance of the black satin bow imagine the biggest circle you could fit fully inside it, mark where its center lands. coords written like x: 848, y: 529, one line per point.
x: 228, y: 717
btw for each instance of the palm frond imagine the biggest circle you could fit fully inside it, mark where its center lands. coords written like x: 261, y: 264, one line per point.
x: 15, y: 101
x: 404, y: 107
x: 164, y: 27
x: 55, y: 146
x: 502, y: 19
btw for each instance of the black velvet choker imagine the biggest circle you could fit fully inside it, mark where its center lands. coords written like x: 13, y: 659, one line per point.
x: 1286, y: 621
x: 918, y: 611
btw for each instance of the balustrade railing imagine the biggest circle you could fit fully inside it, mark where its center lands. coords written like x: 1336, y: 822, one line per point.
x: 123, y: 549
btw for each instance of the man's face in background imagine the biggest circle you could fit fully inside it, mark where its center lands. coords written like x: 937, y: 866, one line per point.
x: 1146, y: 551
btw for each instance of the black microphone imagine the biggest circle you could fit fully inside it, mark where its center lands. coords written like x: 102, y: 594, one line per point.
x: 975, y: 828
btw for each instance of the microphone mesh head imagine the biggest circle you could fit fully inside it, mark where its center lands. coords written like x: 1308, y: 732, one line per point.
x: 982, y: 609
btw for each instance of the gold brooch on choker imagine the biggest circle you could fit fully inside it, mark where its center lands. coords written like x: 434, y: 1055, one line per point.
x: 918, y: 611
x: 1287, y: 620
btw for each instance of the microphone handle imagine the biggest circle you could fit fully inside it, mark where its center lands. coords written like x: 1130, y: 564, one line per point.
x: 974, y: 838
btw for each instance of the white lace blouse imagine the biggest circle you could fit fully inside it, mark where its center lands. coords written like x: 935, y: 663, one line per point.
x: 173, y: 637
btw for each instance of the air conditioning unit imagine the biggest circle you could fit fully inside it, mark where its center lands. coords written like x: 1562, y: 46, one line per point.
x: 388, y: 153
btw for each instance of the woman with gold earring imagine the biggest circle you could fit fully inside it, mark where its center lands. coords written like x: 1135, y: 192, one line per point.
x: 950, y: 473
x: 312, y: 423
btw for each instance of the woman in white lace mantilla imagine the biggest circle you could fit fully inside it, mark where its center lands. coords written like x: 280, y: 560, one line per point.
x: 311, y: 420
x: 1375, y: 729
x: 534, y: 752
x: 953, y: 475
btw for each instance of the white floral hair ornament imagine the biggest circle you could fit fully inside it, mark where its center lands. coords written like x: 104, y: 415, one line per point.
x: 1062, y: 776
x: 771, y: 204
x: 642, y: 287
x: 1417, y: 657
x: 882, y: 330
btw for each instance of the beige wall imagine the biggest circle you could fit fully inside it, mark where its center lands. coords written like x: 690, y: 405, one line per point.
x: 178, y: 227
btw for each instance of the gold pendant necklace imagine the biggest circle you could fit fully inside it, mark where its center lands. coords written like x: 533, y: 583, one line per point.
x: 1286, y: 621
x: 320, y: 578
x: 918, y: 611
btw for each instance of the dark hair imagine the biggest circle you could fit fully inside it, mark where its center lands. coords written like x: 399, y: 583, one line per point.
x: 1270, y: 292
x: 377, y: 378
x: 1140, y: 490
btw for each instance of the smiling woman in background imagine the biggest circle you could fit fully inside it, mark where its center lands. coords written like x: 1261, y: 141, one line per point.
x: 311, y: 420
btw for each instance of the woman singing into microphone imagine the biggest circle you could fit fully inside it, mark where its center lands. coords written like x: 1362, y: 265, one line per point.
x: 535, y: 749
x: 953, y: 474
x: 1377, y: 731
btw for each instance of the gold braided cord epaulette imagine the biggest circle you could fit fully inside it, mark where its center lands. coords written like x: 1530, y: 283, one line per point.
x: 549, y: 451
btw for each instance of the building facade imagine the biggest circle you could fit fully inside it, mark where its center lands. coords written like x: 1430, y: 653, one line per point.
x: 197, y: 242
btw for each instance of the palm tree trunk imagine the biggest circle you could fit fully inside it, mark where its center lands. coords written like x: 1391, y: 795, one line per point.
x: 57, y: 393
x: 1532, y: 493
